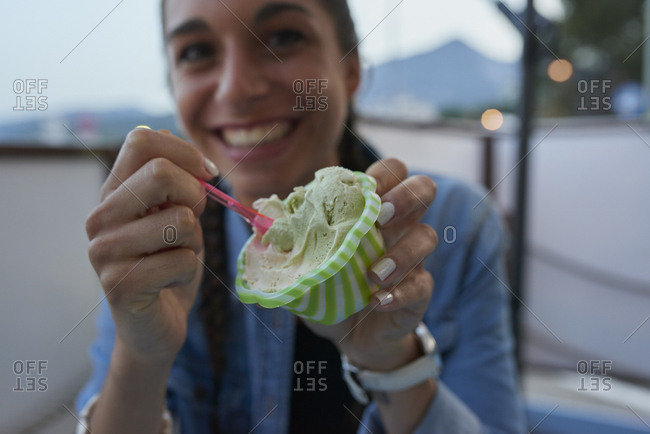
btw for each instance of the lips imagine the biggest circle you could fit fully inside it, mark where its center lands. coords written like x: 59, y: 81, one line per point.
x: 256, y: 143
x: 247, y: 137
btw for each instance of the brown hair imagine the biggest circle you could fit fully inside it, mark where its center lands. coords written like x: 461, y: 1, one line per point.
x: 214, y: 293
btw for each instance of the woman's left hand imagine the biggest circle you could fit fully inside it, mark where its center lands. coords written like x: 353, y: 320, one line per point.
x: 380, y: 336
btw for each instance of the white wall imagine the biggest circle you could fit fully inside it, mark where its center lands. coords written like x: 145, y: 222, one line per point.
x: 590, y: 210
x: 47, y: 284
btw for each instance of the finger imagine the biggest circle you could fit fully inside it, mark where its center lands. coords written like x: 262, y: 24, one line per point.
x: 407, y: 253
x: 412, y: 292
x: 170, y: 228
x: 142, y: 145
x: 388, y: 173
x: 405, y: 205
x: 140, y: 278
x: 158, y: 183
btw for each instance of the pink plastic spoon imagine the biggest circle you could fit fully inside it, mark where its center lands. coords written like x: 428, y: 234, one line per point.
x: 260, y: 223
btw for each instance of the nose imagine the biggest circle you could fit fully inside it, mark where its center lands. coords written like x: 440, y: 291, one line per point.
x: 242, y: 79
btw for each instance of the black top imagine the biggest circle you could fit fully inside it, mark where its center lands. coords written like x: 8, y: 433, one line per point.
x: 320, y: 401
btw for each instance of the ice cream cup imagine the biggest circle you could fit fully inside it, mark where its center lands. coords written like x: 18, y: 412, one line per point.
x: 340, y: 286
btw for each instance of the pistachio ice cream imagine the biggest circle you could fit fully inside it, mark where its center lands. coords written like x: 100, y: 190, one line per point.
x: 307, y: 228
x: 314, y: 259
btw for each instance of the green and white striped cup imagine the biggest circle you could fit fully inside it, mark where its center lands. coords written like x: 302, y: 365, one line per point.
x: 340, y: 286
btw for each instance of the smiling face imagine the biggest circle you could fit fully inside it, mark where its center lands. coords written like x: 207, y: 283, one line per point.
x: 240, y: 71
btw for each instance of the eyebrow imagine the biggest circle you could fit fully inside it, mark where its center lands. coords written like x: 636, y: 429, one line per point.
x: 195, y: 25
x: 270, y: 10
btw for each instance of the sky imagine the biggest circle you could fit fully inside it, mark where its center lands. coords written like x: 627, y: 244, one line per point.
x: 107, y: 54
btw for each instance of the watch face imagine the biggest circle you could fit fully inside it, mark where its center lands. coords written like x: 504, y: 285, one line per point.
x: 425, y: 339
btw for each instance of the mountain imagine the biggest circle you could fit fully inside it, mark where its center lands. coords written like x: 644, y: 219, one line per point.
x: 451, y: 78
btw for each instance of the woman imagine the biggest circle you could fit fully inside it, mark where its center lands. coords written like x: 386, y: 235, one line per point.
x: 176, y: 338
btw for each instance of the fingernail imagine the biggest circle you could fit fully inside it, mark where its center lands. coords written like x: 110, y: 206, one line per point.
x: 384, y: 268
x: 384, y: 297
x: 211, y: 167
x: 142, y: 127
x: 386, y: 213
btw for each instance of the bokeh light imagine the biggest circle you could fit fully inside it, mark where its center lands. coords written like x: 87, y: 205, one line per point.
x: 560, y: 70
x: 492, y: 119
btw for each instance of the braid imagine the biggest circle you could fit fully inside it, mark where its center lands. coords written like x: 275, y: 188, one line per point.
x: 213, y: 309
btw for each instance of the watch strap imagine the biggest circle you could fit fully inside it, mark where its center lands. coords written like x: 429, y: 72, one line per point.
x: 360, y: 381
x: 402, y: 378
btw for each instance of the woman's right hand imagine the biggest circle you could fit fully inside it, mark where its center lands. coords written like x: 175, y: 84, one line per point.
x: 146, y: 242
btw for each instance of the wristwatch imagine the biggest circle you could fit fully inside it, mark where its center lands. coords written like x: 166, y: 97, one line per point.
x: 361, y: 382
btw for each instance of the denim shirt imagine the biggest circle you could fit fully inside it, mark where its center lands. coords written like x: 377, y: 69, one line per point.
x: 468, y: 315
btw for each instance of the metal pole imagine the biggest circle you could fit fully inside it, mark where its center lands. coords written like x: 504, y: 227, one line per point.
x: 488, y: 161
x: 645, y: 77
x: 526, y: 113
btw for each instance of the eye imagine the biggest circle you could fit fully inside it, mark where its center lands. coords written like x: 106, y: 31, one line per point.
x: 195, y: 53
x: 285, y: 38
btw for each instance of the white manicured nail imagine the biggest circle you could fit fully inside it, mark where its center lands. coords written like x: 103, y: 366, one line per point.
x: 386, y: 213
x: 384, y: 268
x: 211, y: 167
x: 384, y: 297
x: 142, y: 127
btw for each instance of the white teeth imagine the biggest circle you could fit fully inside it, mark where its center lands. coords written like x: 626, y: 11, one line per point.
x: 247, y: 137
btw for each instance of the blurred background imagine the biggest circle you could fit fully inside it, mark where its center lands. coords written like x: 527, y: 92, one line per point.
x: 547, y: 109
